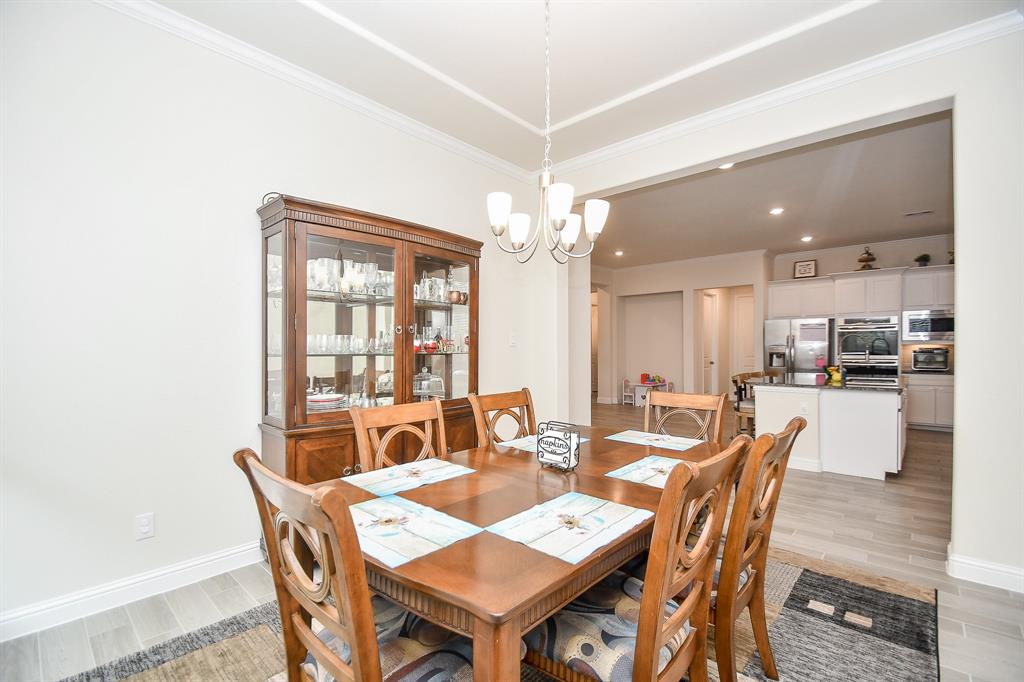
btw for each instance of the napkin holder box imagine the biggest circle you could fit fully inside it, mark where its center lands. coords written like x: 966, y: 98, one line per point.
x: 558, y: 445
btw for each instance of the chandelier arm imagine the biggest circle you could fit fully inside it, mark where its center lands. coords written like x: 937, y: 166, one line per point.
x: 577, y: 255
x: 522, y: 261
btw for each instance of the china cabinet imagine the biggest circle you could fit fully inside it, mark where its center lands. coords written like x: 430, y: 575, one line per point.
x: 360, y: 310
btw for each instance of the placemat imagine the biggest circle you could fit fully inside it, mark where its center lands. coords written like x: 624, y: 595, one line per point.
x: 395, y: 479
x: 572, y: 526
x: 655, y: 440
x: 652, y: 470
x: 395, y: 530
x: 527, y: 443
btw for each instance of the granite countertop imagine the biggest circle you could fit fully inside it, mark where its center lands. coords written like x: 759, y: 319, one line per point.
x: 844, y: 387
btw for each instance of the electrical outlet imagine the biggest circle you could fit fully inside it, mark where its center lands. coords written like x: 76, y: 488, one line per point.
x: 145, y: 526
x: 803, y: 407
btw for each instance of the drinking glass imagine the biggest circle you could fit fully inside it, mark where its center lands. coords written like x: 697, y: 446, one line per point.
x: 347, y: 273
x: 371, y: 278
x: 335, y: 274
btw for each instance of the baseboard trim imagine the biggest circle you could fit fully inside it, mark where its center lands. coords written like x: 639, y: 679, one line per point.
x: 986, y: 572
x: 605, y: 401
x: 45, y: 614
x: 804, y: 464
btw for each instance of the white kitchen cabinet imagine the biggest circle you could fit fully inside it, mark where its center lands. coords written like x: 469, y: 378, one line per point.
x: 884, y: 294
x: 921, y: 404
x: 813, y: 298
x: 929, y: 399
x: 944, y: 406
x: 944, y: 289
x: 868, y: 293
x: 928, y: 288
x: 851, y: 296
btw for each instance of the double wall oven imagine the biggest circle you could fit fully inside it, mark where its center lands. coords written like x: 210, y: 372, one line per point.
x: 868, y: 349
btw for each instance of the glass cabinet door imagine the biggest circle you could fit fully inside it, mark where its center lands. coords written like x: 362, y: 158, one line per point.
x: 350, y: 323
x: 443, y: 287
x: 273, y: 316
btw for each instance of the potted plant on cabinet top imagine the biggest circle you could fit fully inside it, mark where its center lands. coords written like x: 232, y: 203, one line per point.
x: 923, y: 260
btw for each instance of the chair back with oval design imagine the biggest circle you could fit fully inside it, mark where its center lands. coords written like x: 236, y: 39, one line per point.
x: 746, y: 546
x: 693, y: 495
x: 488, y: 410
x: 704, y: 413
x: 299, y: 522
x: 423, y: 422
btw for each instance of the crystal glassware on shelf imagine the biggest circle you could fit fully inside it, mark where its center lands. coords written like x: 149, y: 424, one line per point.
x: 345, y: 286
x: 371, y: 278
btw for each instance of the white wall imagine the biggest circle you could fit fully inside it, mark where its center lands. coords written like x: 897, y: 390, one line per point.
x: 133, y: 165
x: 687, y: 277
x: 986, y: 82
x: 579, y: 340
x: 653, y: 334
x: 895, y: 253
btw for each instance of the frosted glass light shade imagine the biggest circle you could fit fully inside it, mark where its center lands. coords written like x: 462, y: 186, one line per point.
x: 560, y: 196
x: 518, y: 228
x: 499, y: 205
x: 595, y: 213
x: 571, y: 232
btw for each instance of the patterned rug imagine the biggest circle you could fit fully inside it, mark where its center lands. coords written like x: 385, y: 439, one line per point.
x: 826, y: 622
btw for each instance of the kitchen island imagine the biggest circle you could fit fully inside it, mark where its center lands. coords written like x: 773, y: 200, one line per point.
x: 856, y: 431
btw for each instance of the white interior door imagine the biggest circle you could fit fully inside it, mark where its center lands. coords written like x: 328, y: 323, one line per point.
x: 709, y: 344
x: 744, y: 359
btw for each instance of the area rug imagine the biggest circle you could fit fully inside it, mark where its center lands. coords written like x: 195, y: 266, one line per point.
x: 826, y: 622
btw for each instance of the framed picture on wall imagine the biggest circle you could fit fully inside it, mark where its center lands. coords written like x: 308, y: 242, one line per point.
x: 805, y: 268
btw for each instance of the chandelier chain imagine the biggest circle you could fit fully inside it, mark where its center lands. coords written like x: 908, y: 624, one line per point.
x: 546, y: 165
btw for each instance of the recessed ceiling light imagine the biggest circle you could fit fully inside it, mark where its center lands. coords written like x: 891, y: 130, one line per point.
x: 806, y: 238
x: 618, y: 253
x: 777, y: 210
x: 726, y: 166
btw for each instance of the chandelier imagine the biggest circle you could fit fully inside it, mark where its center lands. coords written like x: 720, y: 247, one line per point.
x: 560, y: 227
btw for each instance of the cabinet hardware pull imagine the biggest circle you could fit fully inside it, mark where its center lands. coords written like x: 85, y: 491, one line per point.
x: 398, y: 330
x: 358, y: 468
x: 347, y: 471
x: 412, y: 329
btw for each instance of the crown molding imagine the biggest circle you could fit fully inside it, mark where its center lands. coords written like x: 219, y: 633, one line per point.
x: 950, y: 41
x: 196, y: 32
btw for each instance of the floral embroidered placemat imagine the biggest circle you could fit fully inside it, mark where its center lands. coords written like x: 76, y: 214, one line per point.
x: 527, y: 443
x: 572, y: 526
x: 401, y: 477
x: 655, y: 440
x: 652, y: 470
x: 395, y: 530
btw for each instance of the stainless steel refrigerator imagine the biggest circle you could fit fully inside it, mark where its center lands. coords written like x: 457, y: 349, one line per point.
x: 803, y: 348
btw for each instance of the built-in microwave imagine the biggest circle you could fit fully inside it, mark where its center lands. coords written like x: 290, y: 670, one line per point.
x: 930, y: 359
x: 927, y: 325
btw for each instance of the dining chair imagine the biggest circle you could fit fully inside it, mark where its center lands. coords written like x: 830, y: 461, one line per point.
x: 628, y: 397
x: 395, y: 420
x: 626, y: 628
x: 361, y: 637
x: 743, y: 405
x: 489, y: 409
x: 740, y: 574
x: 706, y: 412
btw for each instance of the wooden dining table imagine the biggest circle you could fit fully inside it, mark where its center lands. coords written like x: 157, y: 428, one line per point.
x: 492, y: 589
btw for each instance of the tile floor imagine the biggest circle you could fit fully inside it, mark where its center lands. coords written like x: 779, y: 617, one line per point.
x: 898, y: 527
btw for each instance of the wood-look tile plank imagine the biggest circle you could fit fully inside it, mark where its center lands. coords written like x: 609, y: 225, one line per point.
x: 255, y: 580
x: 19, y: 659
x: 65, y: 650
x: 152, y: 617
x: 192, y: 607
x: 114, y: 643
x: 233, y: 601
